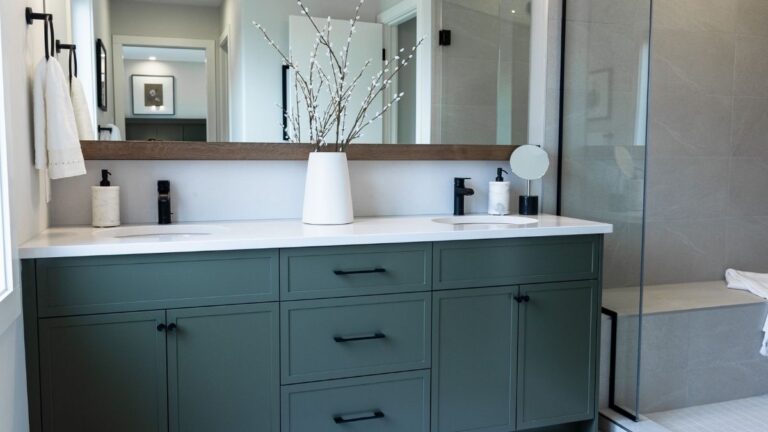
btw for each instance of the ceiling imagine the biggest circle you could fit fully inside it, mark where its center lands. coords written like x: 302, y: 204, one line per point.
x: 164, y: 54
x: 209, y: 3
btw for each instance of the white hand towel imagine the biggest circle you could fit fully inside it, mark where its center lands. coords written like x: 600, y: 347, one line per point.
x: 116, y: 135
x: 38, y: 109
x: 65, y: 156
x: 755, y: 283
x: 82, y: 113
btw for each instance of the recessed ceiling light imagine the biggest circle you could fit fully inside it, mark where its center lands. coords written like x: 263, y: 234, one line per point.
x: 514, y: 11
x: 152, y: 58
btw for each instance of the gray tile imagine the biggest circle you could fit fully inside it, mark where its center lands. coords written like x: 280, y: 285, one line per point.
x: 726, y: 335
x: 689, y: 122
x: 464, y: 83
x: 695, y: 15
x: 729, y: 381
x: 748, y: 184
x: 684, y: 250
x: 746, y: 244
x: 751, y: 66
x: 751, y: 17
x: 701, y: 61
x: 750, y: 126
x: 686, y: 187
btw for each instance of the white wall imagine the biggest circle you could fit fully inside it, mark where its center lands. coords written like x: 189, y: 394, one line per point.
x: 191, y: 97
x: 22, y: 48
x: 244, y: 190
x: 164, y: 20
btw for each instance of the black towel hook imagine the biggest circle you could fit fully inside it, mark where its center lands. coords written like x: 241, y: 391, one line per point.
x: 72, y: 57
x: 31, y: 17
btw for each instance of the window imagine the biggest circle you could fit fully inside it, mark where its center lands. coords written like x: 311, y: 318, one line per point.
x: 6, y: 269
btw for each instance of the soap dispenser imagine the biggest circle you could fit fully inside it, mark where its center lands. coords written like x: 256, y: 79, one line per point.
x: 105, y: 203
x: 498, y: 194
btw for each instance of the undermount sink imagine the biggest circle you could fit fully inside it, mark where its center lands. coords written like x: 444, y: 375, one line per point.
x: 160, y: 231
x: 486, y: 220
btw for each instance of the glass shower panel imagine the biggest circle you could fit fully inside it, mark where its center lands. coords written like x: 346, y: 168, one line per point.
x: 484, y: 73
x: 605, y: 94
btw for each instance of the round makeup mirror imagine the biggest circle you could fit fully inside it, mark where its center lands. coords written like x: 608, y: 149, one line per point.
x: 529, y: 162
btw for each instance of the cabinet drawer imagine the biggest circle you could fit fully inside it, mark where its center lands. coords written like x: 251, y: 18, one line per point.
x: 485, y: 263
x: 354, y: 270
x: 392, y: 403
x: 335, y: 338
x: 75, y: 286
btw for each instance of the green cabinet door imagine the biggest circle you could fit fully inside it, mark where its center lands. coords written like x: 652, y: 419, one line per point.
x: 104, y: 373
x: 557, y: 354
x: 223, y: 369
x: 474, y: 360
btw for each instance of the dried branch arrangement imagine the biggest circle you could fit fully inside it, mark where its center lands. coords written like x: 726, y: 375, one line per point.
x: 335, y: 120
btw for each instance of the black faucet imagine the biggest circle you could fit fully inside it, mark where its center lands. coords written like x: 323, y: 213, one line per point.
x: 164, y: 202
x: 459, y: 192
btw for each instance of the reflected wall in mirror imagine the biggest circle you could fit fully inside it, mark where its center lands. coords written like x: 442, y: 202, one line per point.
x: 230, y: 85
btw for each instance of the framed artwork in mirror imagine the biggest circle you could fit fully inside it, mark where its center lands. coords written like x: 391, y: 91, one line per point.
x: 101, y: 75
x: 153, y: 95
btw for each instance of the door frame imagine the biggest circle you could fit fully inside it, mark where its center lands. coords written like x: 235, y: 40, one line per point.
x: 118, y: 72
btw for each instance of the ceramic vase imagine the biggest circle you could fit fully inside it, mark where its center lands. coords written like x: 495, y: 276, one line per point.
x: 327, y: 194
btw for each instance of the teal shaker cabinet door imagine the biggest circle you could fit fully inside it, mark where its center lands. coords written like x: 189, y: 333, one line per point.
x: 223, y: 369
x: 557, y: 353
x: 474, y: 360
x: 83, y: 360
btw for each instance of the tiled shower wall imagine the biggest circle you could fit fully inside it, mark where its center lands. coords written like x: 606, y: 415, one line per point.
x: 708, y: 140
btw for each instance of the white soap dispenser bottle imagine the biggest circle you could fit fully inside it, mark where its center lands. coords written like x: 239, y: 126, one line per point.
x: 498, y: 195
x: 105, y: 203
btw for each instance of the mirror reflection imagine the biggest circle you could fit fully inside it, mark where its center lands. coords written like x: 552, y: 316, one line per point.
x: 200, y: 70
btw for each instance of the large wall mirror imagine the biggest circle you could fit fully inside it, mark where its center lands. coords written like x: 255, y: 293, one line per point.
x: 199, y: 71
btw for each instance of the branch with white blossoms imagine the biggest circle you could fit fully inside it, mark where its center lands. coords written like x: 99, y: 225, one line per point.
x: 335, y: 79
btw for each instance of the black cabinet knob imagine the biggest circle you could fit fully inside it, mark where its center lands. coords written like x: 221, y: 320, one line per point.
x: 161, y: 327
x: 171, y: 327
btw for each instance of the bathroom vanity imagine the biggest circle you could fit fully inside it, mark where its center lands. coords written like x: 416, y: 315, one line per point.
x: 389, y: 324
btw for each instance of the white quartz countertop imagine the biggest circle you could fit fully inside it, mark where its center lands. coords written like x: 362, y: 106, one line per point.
x: 268, y: 234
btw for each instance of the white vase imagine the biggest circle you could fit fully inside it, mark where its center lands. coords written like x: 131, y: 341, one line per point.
x: 327, y: 194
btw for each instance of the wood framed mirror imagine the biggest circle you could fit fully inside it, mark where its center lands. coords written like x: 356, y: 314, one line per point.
x: 477, y: 98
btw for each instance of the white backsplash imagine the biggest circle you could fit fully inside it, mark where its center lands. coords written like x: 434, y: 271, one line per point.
x: 250, y: 190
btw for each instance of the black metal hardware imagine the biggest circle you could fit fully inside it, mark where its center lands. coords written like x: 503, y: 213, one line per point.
x: 72, y: 57
x: 522, y: 299
x: 105, y: 129
x: 340, y: 419
x: 31, y: 16
x: 384, y: 54
x: 161, y: 327
x: 444, y: 37
x: 377, y: 335
x: 351, y: 272
x: 612, y: 368
x: 172, y: 327
x: 459, y: 192
x: 286, y: 136
x: 60, y: 46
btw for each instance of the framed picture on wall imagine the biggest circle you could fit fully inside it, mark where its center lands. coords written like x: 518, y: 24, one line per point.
x: 599, y: 85
x: 101, y: 75
x: 153, y: 94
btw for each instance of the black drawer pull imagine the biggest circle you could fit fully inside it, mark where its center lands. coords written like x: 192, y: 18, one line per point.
x: 350, y: 419
x: 377, y: 335
x: 351, y: 272
x: 522, y: 299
